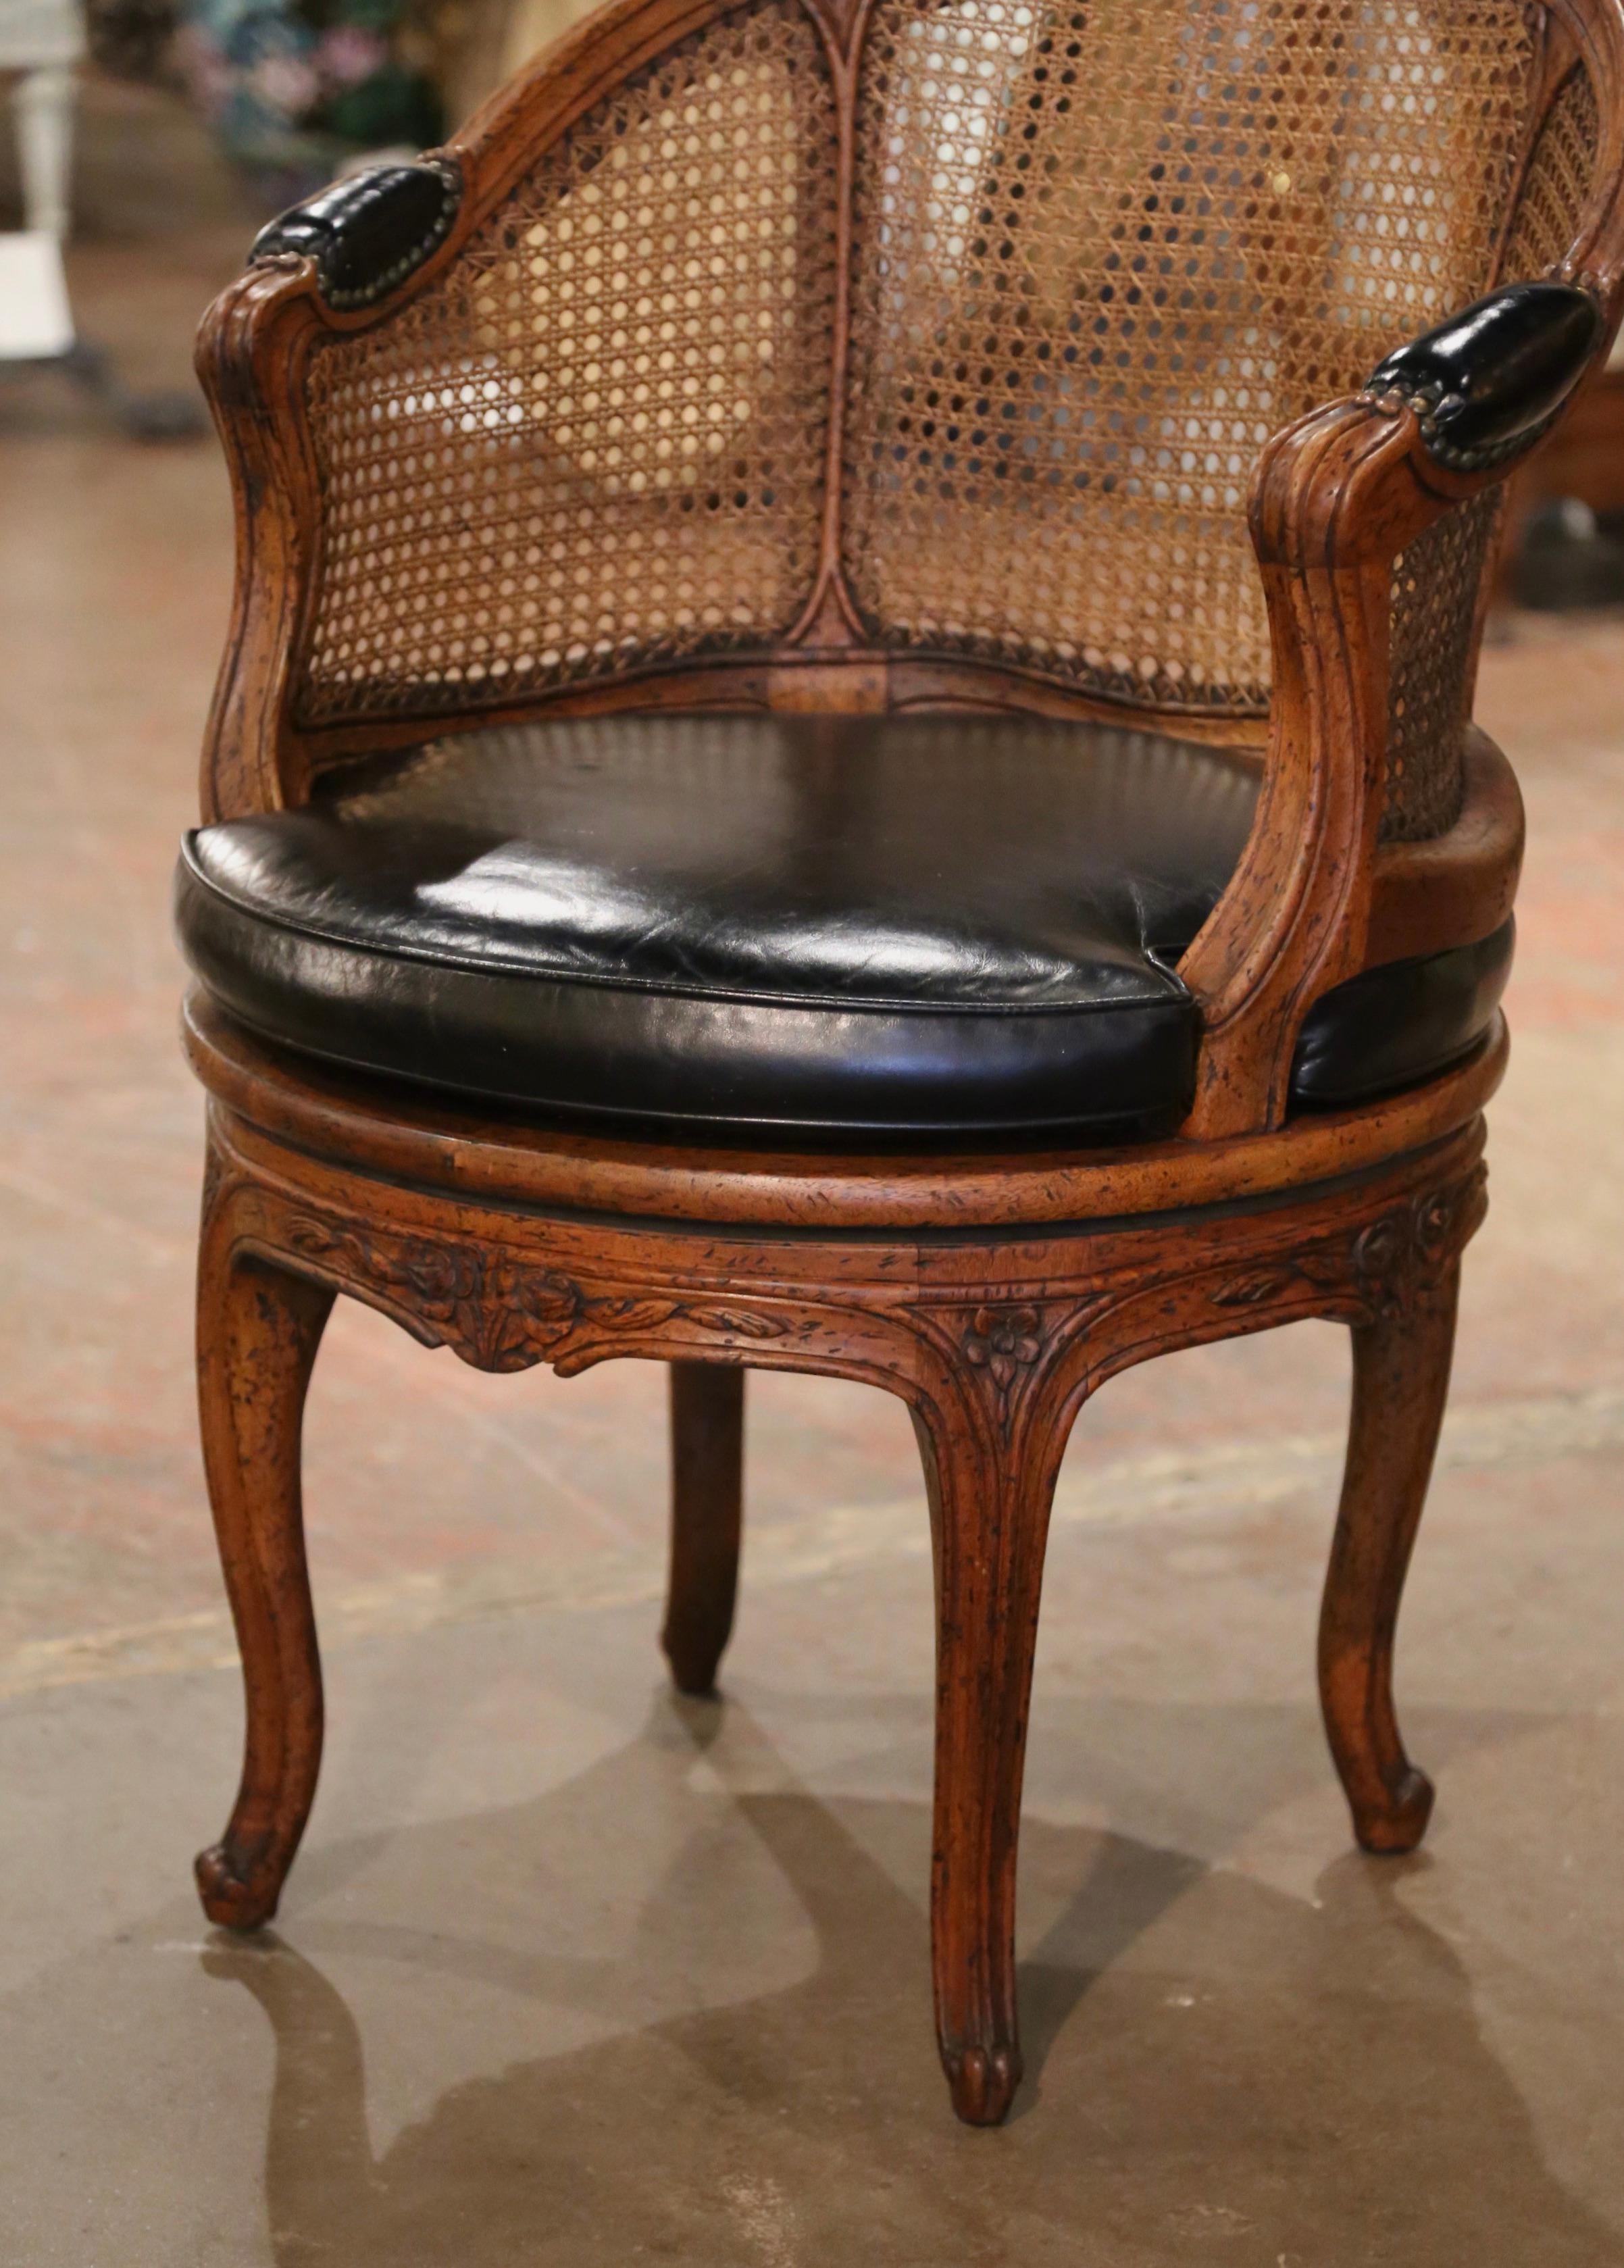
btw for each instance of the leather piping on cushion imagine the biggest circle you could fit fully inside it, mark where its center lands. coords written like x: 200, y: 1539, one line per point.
x: 633, y: 1053
x: 821, y: 926
x: 1403, y: 1022
x: 858, y: 928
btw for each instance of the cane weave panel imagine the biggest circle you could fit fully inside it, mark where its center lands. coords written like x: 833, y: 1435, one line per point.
x: 1432, y: 652
x: 1437, y: 581
x: 1103, y: 252
x: 598, y: 441
x: 1560, y: 170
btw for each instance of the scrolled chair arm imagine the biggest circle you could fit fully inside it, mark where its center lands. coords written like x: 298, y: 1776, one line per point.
x: 330, y: 263
x: 1335, y: 499
x: 367, y: 233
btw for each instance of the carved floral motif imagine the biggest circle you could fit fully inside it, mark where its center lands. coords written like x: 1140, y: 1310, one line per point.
x: 1002, y: 1343
x: 500, y: 1311
x: 495, y: 1311
x: 1382, y: 1264
x: 1009, y: 1347
x: 1004, y: 1338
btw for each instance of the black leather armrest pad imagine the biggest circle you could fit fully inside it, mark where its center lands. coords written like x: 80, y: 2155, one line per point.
x: 1489, y: 380
x: 368, y: 233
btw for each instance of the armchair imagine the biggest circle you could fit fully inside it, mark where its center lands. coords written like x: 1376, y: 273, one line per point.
x: 845, y: 746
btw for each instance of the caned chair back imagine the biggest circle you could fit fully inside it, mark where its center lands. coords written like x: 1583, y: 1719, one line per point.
x: 952, y: 332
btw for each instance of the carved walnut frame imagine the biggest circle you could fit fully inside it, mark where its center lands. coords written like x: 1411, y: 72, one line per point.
x: 994, y: 1295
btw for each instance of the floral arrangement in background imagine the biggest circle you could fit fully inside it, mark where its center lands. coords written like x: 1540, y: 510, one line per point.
x: 293, y: 88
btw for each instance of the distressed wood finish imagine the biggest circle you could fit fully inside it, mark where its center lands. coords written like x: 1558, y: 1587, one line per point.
x: 419, y: 1138
x: 993, y: 1294
x: 1401, y: 1360
x: 707, y: 1514
x: 994, y: 1331
x: 258, y: 1328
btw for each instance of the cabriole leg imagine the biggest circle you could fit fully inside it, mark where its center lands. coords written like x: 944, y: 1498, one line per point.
x: 258, y: 1329
x: 707, y: 1496
x: 1400, y: 1378
x: 989, y: 1514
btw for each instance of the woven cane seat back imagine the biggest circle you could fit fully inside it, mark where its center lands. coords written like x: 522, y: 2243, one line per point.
x: 1111, y: 250
x: 1101, y: 250
x: 598, y: 441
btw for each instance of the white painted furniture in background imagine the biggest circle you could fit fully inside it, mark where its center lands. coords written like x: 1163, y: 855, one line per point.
x: 41, y: 41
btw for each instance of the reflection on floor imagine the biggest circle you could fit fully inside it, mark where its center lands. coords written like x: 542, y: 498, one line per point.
x: 570, y: 1974
x: 657, y: 1990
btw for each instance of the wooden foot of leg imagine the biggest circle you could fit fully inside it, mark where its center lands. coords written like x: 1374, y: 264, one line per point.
x: 990, y: 1517
x: 1400, y: 1379
x: 707, y: 1495
x: 258, y: 1332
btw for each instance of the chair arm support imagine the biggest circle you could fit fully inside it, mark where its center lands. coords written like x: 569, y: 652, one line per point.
x: 1486, y: 384
x: 319, y: 268
x: 367, y: 233
x: 1335, y: 499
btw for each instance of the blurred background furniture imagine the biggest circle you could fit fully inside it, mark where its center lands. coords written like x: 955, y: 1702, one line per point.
x: 845, y: 746
x: 1564, y: 545
x: 297, y: 91
x: 41, y: 42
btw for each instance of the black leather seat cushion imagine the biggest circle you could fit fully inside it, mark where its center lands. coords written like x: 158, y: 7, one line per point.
x: 915, y: 926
